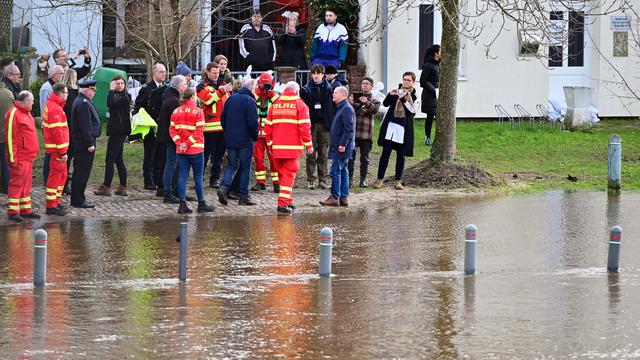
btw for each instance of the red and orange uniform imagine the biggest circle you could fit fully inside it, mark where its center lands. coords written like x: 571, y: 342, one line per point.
x: 288, y: 133
x: 22, y: 150
x: 56, y: 143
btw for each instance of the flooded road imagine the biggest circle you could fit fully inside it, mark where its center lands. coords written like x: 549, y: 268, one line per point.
x: 542, y: 290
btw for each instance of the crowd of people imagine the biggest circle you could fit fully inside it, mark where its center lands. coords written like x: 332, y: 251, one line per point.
x: 243, y: 120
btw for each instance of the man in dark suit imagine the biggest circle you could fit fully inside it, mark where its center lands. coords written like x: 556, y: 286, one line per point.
x: 85, y: 129
x: 159, y: 74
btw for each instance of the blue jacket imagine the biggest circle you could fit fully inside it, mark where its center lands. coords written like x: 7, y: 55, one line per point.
x: 240, y: 120
x: 343, y: 131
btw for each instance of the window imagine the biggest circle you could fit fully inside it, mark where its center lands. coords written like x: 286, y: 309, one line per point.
x: 425, y: 32
x: 556, y: 50
x: 576, y: 38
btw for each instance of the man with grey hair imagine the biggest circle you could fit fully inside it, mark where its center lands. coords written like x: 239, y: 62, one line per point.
x: 22, y: 149
x: 288, y: 135
x: 55, y: 75
x: 147, y: 93
x: 170, y: 102
x: 343, y: 130
x: 9, y: 89
x: 240, y: 123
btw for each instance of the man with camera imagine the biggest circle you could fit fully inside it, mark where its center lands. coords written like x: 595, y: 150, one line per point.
x: 60, y: 57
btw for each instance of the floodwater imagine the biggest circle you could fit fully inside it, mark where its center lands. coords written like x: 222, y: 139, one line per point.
x: 398, y: 290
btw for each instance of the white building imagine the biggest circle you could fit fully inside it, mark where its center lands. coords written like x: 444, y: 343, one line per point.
x: 504, y: 77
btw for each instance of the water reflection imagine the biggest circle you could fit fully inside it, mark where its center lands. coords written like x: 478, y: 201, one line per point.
x: 398, y: 290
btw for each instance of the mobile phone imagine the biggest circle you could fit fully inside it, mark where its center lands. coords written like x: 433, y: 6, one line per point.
x: 400, y: 86
x: 82, y: 52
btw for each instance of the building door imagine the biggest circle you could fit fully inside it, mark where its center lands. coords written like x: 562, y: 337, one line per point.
x: 569, y: 53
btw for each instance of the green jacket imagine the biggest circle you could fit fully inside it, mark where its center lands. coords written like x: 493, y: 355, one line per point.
x: 6, y: 102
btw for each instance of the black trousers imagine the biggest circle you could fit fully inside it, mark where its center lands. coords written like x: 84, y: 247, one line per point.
x: 82, y: 164
x: 387, y: 147
x: 365, y: 149
x: 115, y: 156
x: 428, y: 123
x: 70, y: 155
x: 159, y: 160
x: 147, y: 163
x: 214, y: 148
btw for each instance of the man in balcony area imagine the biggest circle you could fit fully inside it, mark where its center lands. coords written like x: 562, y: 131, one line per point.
x: 257, y: 44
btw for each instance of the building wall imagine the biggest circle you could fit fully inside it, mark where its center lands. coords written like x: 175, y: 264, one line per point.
x: 503, y: 77
x: 612, y: 98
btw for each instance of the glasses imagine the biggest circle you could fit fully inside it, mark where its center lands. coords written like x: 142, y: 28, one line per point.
x: 407, y: 80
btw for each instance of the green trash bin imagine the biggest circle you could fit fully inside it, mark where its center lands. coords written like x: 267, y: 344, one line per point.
x: 104, y: 75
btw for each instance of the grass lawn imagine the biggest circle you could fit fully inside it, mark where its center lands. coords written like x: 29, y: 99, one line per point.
x: 549, y: 154
x: 541, y: 158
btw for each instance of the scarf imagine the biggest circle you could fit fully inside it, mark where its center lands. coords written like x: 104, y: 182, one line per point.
x: 399, y: 110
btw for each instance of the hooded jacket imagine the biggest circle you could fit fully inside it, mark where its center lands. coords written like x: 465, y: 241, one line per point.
x: 319, y: 94
x: 119, y: 122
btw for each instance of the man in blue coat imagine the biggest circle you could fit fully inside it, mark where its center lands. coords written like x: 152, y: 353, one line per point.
x: 341, y: 146
x: 240, y: 123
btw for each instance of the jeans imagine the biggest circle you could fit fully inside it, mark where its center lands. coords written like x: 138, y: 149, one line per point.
x: 185, y: 163
x: 387, y: 146
x: 45, y: 168
x: 365, y: 149
x: 115, y: 155
x: 339, y: 178
x: 4, y: 169
x: 170, y: 168
x: 239, y: 160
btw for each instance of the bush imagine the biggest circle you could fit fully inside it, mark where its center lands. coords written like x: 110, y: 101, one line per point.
x: 35, y: 90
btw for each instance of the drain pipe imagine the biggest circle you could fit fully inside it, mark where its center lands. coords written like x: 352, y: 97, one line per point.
x: 385, y: 42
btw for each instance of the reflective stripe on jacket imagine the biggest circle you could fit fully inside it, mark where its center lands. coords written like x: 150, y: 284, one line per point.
x: 212, y: 99
x: 288, y: 128
x: 21, y: 135
x: 187, y: 127
x: 55, y: 127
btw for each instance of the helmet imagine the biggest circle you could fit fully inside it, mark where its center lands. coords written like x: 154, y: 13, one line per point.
x: 265, y: 82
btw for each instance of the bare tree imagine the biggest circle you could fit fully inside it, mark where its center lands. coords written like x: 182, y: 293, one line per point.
x: 470, y: 19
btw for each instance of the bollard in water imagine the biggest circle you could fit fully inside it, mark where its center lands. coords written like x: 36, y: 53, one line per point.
x: 184, y: 242
x: 615, y: 164
x: 40, y: 258
x: 326, y: 245
x: 470, y: 234
x: 615, y: 239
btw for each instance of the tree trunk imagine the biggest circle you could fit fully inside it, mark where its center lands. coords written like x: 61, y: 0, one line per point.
x: 444, y: 147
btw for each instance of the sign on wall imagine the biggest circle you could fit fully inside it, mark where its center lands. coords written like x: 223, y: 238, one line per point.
x: 620, y: 43
x: 620, y: 23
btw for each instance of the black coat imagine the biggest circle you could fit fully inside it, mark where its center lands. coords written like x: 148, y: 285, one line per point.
x: 429, y: 81
x: 292, y: 48
x: 119, y: 104
x: 170, y: 102
x: 407, y: 143
x: 73, y: 94
x: 85, y: 123
x: 142, y: 100
x: 313, y: 94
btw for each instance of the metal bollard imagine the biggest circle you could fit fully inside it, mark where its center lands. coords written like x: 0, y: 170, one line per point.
x: 184, y: 242
x: 615, y: 164
x: 326, y: 246
x: 615, y: 239
x: 40, y: 258
x: 470, y: 234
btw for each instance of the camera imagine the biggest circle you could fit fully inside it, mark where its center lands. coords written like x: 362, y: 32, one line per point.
x: 82, y: 52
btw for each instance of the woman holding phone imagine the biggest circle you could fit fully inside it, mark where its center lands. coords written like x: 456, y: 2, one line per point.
x: 396, y: 132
